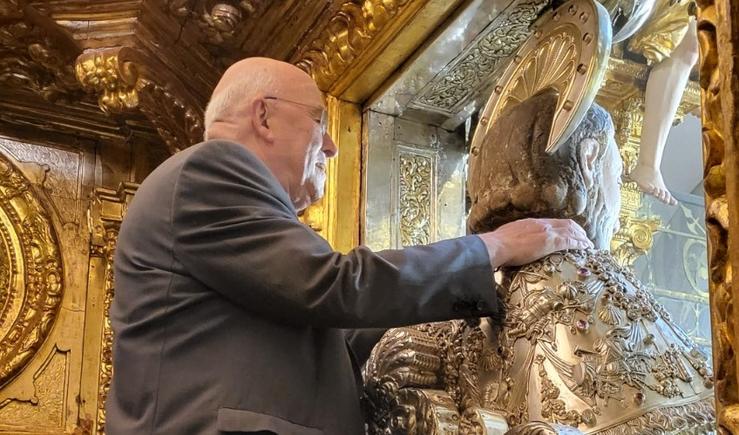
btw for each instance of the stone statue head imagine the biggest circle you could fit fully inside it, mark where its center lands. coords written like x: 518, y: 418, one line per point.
x: 512, y: 177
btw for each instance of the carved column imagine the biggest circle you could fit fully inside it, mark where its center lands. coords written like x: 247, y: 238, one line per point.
x: 718, y: 33
x: 106, y: 215
x: 634, y: 238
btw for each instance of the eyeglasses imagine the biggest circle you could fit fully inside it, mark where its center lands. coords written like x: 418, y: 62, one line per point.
x: 322, y: 121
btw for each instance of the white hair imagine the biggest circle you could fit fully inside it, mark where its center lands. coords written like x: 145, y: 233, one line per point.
x: 238, y: 92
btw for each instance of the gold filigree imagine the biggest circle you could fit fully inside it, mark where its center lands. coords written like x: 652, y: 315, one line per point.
x: 635, y: 369
x: 416, y: 195
x: 347, y: 34
x: 126, y: 80
x: 31, y: 302
x: 695, y: 418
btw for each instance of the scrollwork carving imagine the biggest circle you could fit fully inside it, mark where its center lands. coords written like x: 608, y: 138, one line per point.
x: 634, y: 238
x: 29, y: 251
x: 37, y: 54
x: 126, y: 80
x: 466, y: 75
x: 106, y: 357
x: 347, y: 34
x: 220, y: 21
x: 416, y: 193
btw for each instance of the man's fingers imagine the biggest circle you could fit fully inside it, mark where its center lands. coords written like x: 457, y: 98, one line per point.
x: 565, y: 223
x: 564, y: 242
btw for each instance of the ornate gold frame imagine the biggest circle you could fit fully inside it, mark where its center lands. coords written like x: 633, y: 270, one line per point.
x: 372, y: 47
x: 718, y: 36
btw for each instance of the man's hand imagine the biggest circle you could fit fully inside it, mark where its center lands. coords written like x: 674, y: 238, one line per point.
x: 527, y: 240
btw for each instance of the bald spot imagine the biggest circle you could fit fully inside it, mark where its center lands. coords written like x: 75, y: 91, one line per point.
x: 289, y: 81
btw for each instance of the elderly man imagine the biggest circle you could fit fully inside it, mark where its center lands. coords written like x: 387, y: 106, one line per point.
x: 228, y: 313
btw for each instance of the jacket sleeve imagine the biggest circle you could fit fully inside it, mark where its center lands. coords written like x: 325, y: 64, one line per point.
x: 235, y: 232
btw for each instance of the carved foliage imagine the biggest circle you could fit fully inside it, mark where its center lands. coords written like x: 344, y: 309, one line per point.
x: 347, y: 34
x: 37, y: 54
x: 474, y: 68
x: 29, y: 253
x: 219, y: 20
x: 416, y: 195
x: 126, y: 80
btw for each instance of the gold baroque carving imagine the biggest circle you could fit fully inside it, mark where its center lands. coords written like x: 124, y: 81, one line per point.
x: 443, y: 356
x: 416, y: 194
x: 630, y: 381
x: 31, y: 263
x: 108, y: 211
x: 126, y: 80
x: 718, y: 73
x: 347, y: 34
x: 37, y: 54
x: 10, y: 8
x: 106, y: 356
x: 220, y: 21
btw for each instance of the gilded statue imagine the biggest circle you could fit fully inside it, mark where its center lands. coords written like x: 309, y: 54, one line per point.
x: 582, y: 347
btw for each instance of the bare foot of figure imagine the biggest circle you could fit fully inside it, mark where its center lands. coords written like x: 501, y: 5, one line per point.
x: 650, y: 182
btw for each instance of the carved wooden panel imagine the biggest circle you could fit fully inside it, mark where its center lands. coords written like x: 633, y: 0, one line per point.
x: 43, y: 269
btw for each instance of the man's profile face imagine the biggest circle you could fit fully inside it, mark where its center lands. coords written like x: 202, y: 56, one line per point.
x: 306, y: 145
x: 314, y: 170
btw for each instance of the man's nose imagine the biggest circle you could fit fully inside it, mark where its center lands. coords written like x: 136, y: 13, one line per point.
x: 329, y: 147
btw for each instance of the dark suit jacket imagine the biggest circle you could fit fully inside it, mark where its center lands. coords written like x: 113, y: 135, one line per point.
x: 228, y: 311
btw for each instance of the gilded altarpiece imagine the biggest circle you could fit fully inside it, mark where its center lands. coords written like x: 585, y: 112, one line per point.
x: 57, y: 238
x: 43, y: 268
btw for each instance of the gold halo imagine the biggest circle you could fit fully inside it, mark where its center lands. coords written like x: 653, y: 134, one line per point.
x: 567, y: 51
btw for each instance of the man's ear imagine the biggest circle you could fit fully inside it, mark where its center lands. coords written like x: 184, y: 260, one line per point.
x: 588, y: 152
x: 260, y: 119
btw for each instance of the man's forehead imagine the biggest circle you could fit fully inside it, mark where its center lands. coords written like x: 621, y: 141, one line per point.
x: 311, y: 95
